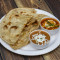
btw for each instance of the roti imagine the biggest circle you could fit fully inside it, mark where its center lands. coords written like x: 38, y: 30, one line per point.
x: 24, y: 38
x: 13, y: 23
x: 17, y: 25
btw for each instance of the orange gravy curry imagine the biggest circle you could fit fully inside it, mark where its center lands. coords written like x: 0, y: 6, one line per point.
x: 50, y: 23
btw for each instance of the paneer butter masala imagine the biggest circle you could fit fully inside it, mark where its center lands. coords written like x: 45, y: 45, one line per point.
x: 50, y: 23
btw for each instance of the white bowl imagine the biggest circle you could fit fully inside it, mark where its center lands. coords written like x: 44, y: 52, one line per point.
x: 39, y: 46
x: 51, y: 32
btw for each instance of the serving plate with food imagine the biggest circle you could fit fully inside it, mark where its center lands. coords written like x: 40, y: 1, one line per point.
x: 29, y: 31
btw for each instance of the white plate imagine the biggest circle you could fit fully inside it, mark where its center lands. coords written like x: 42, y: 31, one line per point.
x: 29, y: 50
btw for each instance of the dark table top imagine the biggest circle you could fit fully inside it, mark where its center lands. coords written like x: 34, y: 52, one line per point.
x: 52, y: 6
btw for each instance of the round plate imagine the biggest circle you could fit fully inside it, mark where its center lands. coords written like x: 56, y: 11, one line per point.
x: 28, y: 50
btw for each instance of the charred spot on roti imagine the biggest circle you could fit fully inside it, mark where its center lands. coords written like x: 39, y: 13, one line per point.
x: 17, y: 15
x: 9, y: 23
x: 35, y: 23
x: 22, y: 12
x: 2, y: 36
x: 3, y: 21
x: 26, y: 25
x: 10, y: 17
x: 5, y: 27
x: 17, y: 35
x: 14, y: 27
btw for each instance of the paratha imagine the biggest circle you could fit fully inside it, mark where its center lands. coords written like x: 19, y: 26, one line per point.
x: 17, y: 25
x: 24, y: 38
x: 13, y: 23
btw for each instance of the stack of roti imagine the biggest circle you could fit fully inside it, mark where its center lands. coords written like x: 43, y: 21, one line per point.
x: 17, y: 25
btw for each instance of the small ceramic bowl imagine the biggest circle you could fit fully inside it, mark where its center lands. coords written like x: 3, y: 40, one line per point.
x: 39, y: 39
x: 51, y: 32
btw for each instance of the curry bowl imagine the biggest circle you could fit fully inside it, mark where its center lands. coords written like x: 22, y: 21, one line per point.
x: 50, y: 25
x: 39, y: 39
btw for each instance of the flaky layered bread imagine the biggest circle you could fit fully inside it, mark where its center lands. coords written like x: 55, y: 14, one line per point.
x: 24, y: 38
x: 13, y: 23
x: 17, y: 25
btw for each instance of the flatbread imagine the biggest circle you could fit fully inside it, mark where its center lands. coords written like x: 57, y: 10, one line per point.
x: 24, y: 38
x: 17, y: 25
x: 13, y: 23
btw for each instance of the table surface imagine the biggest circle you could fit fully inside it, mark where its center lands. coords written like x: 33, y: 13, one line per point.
x: 52, y: 6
